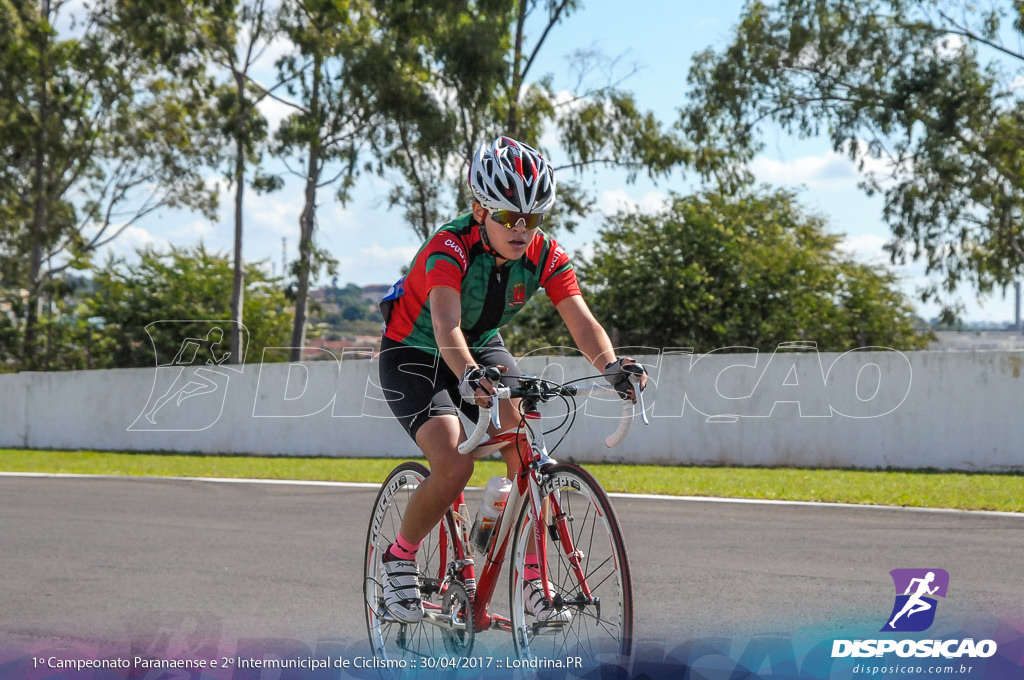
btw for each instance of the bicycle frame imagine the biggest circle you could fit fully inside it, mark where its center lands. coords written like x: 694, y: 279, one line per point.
x: 533, y: 457
x: 526, y: 483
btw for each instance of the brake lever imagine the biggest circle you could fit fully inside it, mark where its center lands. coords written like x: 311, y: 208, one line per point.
x: 500, y: 392
x: 643, y: 409
x: 635, y: 380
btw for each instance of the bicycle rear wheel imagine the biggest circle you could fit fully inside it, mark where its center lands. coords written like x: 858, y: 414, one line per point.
x: 394, y: 643
x: 588, y: 567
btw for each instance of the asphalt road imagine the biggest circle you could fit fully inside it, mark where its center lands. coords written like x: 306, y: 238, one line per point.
x: 114, y: 560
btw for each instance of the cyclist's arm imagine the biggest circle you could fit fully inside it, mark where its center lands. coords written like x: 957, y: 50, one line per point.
x: 586, y: 332
x: 589, y: 335
x: 446, y: 317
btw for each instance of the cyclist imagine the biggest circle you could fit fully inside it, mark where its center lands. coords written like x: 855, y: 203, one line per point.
x: 442, y: 351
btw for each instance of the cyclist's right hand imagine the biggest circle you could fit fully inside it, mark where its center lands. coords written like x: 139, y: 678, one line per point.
x: 478, y: 383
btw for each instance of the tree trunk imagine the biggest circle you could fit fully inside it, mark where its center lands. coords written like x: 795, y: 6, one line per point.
x: 35, y: 274
x: 512, y: 122
x: 40, y: 207
x: 307, y: 221
x: 238, y: 279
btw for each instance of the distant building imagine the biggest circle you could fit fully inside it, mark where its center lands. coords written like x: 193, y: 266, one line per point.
x: 357, y: 346
x: 374, y: 292
x: 977, y: 341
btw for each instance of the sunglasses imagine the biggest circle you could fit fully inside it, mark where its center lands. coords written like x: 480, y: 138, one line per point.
x: 510, y: 220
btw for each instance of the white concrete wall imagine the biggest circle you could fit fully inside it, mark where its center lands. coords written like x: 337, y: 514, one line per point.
x: 864, y: 409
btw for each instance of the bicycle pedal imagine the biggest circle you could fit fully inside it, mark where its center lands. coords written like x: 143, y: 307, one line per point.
x: 549, y: 627
x: 500, y: 623
x: 385, y: 616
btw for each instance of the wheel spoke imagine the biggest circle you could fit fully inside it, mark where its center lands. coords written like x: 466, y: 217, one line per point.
x: 391, y: 639
x: 594, y: 531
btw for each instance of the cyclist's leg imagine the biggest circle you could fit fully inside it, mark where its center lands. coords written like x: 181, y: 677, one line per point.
x: 438, y: 439
x: 427, y: 506
x: 416, y: 383
x: 423, y: 394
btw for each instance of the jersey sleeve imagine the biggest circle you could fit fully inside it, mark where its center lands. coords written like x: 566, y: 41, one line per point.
x: 445, y: 262
x: 558, y: 275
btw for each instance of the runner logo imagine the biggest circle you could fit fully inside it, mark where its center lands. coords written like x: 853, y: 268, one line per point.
x: 192, y: 375
x: 915, y: 605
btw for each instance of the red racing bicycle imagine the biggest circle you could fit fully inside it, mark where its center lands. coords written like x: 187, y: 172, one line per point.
x: 582, y: 554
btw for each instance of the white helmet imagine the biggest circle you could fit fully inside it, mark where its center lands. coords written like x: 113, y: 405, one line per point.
x: 510, y: 175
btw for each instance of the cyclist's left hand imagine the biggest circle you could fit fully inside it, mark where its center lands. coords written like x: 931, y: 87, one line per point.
x: 621, y: 373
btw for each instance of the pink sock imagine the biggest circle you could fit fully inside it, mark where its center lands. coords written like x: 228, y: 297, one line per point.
x: 403, y: 549
x: 531, y: 568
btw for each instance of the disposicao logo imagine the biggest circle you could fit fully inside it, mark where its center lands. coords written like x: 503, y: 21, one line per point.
x: 916, y: 590
x: 912, y: 612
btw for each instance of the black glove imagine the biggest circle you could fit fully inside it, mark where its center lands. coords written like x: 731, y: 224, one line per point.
x: 470, y: 382
x: 619, y: 376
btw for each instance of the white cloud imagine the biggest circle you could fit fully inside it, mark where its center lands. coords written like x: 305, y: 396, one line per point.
x: 950, y: 46
x: 195, y: 230
x: 271, y: 215
x: 829, y: 171
x: 615, y: 200
x: 866, y: 248
x: 274, y: 111
x: 132, y: 239
x: 271, y: 51
x: 548, y: 140
x: 374, y: 263
x: 653, y: 201
x: 70, y: 17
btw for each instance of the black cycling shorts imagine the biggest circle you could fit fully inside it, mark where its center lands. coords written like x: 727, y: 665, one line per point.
x: 418, y: 384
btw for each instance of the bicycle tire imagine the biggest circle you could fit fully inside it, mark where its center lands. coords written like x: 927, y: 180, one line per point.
x: 599, y: 634
x: 398, y: 645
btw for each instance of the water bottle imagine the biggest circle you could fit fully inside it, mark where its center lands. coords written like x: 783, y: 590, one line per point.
x: 495, y: 497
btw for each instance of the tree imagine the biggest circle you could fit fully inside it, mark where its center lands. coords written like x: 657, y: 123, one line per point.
x: 927, y: 87
x: 237, y: 51
x: 471, y: 75
x: 182, y: 283
x: 65, y: 332
x: 13, y: 64
x: 213, y: 47
x: 716, y: 270
x: 95, y: 139
x: 330, y: 122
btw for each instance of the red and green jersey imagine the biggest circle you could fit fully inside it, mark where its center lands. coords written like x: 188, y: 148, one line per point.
x: 455, y: 257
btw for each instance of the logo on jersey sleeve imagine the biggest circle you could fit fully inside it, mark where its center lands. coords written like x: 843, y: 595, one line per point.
x: 456, y: 248
x: 556, y: 257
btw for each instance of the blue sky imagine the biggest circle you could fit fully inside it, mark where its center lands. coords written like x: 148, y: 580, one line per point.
x: 660, y: 37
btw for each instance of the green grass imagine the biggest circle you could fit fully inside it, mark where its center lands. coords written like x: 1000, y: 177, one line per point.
x: 966, y: 491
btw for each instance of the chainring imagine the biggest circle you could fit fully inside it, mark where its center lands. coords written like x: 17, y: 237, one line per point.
x: 458, y: 604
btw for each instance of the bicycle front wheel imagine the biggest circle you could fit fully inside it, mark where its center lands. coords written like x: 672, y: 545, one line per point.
x: 395, y: 643
x: 588, y: 568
